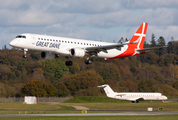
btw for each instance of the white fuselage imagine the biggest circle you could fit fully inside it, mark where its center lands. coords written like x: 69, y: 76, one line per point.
x: 133, y: 96
x: 61, y: 45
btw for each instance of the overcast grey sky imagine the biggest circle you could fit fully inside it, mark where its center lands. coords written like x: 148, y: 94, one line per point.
x: 105, y: 20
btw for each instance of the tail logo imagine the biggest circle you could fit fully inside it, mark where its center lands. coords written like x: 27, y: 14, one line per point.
x: 136, y: 42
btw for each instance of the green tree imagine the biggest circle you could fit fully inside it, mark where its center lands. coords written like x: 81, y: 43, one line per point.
x: 168, y: 90
x: 38, y: 88
x: 150, y: 58
x: 130, y: 85
x: 107, y: 70
x: 2, y: 90
x: 62, y: 90
x: 169, y: 59
x: 171, y: 46
x: 161, y: 42
x: 56, y: 67
x: 5, y: 71
x: 74, y: 68
x: 83, y: 80
x: 35, y: 56
x: 153, y: 42
x: 175, y: 85
x: 146, y: 86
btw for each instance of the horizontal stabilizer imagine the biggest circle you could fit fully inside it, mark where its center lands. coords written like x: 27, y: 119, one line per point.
x: 148, y: 49
x: 109, y: 92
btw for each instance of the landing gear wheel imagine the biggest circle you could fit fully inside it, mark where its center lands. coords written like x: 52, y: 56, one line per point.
x: 69, y: 63
x: 24, y: 56
x: 88, y: 61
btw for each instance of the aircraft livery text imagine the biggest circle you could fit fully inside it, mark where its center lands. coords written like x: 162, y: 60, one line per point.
x: 48, y: 44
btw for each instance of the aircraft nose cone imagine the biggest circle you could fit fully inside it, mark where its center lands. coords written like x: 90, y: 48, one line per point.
x: 13, y: 43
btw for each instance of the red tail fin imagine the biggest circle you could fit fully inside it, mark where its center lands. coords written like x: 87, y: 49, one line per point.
x: 136, y: 43
x: 139, y: 36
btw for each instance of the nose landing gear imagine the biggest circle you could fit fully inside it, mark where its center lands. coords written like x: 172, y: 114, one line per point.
x: 25, y: 53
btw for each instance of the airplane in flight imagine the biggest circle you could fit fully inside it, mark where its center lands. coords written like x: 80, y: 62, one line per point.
x: 132, y: 96
x: 51, y: 47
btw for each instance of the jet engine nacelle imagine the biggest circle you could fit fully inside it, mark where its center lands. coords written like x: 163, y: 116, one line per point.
x: 77, y: 52
x: 48, y: 55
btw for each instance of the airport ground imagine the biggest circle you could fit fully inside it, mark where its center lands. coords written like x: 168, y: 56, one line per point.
x: 122, y: 110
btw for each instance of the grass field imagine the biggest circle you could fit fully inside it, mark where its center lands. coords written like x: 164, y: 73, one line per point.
x: 43, y: 108
x: 57, y: 107
x: 94, y: 104
x: 158, y: 117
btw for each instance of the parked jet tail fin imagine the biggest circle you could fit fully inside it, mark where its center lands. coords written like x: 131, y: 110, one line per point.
x: 109, y: 92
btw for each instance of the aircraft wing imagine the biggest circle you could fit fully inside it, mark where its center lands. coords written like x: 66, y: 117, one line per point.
x: 134, y: 99
x: 107, y: 47
x: 120, y: 94
x: 148, y: 49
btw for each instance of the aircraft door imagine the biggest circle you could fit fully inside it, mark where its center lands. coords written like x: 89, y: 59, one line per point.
x: 33, y: 39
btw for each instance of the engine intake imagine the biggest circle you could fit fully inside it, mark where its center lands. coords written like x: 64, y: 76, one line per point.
x: 77, y: 52
x: 48, y: 55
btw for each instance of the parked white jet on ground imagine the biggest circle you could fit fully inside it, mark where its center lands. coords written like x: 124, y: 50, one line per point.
x: 132, y: 96
x: 52, y: 46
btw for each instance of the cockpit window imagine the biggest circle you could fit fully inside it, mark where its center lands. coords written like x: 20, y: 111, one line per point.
x: 21, y: 36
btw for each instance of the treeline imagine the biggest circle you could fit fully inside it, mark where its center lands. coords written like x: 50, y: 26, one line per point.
x: 155, y: 71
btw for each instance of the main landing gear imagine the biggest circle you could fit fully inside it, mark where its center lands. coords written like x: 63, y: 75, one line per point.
x: 88, y: 61
x: 69, y: 63
x: 137, y: 101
